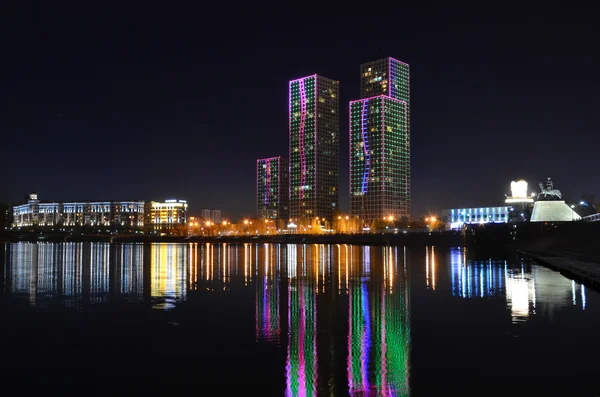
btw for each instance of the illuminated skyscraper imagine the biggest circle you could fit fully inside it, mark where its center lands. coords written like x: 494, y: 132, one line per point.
x: 314, y: 141
x: 380, y: 142
x: 272, y: 192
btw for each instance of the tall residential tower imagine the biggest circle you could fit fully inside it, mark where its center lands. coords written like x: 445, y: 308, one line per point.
x: 272, y: 188
x: 380, y: 142
x: 314, y: 141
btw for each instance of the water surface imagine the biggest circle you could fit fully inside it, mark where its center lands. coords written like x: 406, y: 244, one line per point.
x: 292, y: 320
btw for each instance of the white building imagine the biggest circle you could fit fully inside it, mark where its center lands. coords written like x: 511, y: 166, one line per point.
x: 69, y: 214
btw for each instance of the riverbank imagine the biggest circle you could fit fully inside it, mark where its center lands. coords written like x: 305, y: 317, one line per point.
x: 571, y: 249
x: 413, y: 238
x: 583, y: 272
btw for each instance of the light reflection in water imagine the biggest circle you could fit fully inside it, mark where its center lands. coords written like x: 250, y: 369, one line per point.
x: 267, y: 296
x: 168, y: 274
x: 527, y: 291
x: 301, y: 362
x: 70, y: 274
x: 430, y: 268
x: 378, y: 327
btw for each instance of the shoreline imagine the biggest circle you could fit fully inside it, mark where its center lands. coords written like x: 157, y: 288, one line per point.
x: 412, y: 238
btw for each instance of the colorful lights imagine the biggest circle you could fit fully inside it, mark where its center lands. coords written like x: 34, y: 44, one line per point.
x: 313, y: 125
x: 380, y: 142
x: 271, y: 188
x: 366, y: 150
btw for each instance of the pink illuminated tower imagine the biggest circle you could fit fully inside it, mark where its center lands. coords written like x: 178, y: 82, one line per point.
x: 380, y: 142
x: 314, y: 147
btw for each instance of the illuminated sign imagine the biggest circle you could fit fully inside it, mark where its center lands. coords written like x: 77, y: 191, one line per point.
x: 518, y: 189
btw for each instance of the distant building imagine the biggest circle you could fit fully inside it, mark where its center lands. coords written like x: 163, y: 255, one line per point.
x: 5, y: 216
x: 109, y: 214
x: 455, y: 218
x: 168, y: 217
x: 314, y: 147
x: 380, y: 142
x: 215, y: 216
x: 211, y: 215
x: 272, y: 192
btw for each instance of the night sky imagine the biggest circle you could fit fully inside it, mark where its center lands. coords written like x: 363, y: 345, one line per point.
x: 123, y: 104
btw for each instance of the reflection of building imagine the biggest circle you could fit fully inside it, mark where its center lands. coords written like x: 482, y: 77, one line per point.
x: 314, y: 146
x: 69, y: 273
x: 267, y: 298
x: 379, y: 332
x: 272, y: 192
x: 109, y: 214
x: 168, y: 274
x: 520, y: 293
x: 475, y: 279
x: 380, y: 142
x: 169, y: 216
x: 527, y: 291
x: 301, y: 361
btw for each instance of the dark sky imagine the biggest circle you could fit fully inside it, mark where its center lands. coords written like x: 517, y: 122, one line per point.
x: 115, y: 103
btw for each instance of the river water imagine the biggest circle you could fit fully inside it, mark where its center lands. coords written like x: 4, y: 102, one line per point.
x: 292, y: 320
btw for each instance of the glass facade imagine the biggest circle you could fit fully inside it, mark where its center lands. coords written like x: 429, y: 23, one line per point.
x: 314, y: 141
x: 272, y: 188
x: 380, y: 142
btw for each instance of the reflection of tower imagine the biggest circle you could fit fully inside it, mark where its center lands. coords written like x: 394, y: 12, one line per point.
x: 301, y: 366
x: 267, y: 298
x: 168, y: 274
x: 379, y: 332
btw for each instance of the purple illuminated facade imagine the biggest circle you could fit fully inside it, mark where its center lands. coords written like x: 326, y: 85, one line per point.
x: 314, y: 142
x: 272, y: 188
x: 380, y: 142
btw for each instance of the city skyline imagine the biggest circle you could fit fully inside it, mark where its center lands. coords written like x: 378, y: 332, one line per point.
x: 171, y: 109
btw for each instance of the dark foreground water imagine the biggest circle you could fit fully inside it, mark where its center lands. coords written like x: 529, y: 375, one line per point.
x: 297, y: 320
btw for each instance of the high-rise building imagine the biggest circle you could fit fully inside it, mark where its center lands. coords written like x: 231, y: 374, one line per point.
x: 380, y: 142
x: 314, y: 141
x: 272, y: 191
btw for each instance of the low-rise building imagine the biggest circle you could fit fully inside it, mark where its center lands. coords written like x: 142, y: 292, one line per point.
x: 112, y: 215
x: 166, y: 218
x: 455, y: 218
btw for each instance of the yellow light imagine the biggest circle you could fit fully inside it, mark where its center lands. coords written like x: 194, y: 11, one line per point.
x: 433, y: 219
